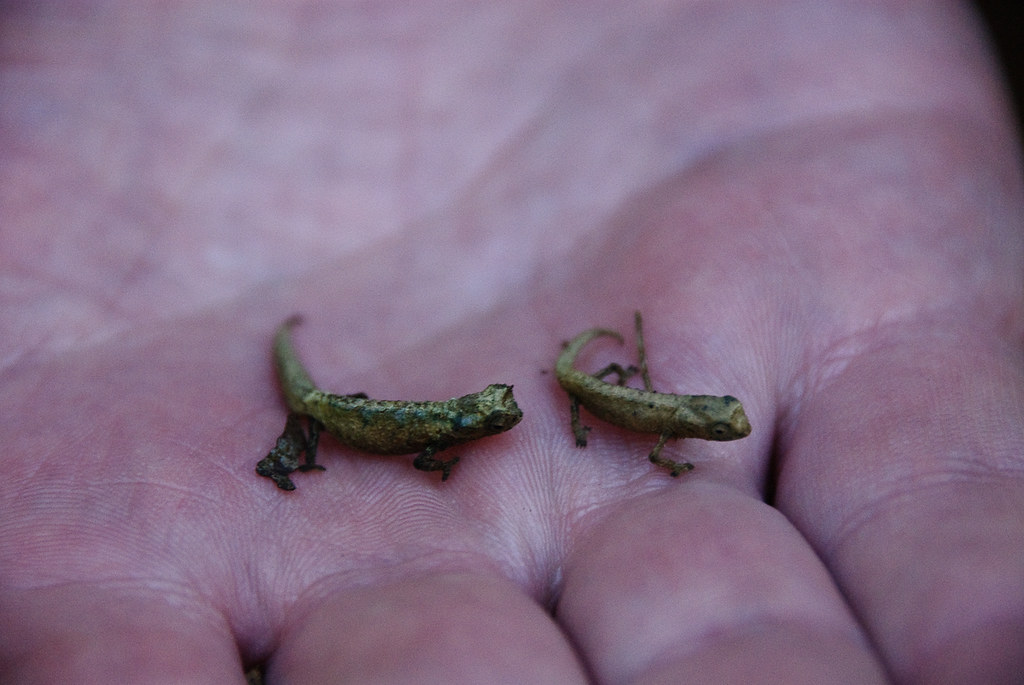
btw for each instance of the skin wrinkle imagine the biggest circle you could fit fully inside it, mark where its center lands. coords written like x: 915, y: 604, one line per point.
x: 897, y: 481
x: 897, y: 490
x: 640, y: 563
x: 922, y: 486
x: 993, y: 597
x: 760, y: 179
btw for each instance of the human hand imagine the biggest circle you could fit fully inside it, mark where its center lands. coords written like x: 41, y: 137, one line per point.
x: 816, y: 208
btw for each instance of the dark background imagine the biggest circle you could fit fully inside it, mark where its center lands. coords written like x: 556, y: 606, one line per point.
x: 1005, y: 18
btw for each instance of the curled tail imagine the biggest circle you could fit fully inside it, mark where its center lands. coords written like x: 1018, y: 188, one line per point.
x: 292, y: 375
x: 567, y: 358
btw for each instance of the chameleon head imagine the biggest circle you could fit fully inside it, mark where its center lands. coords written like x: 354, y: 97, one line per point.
x: 491, y: 411
x: 503, y: 411
x: 723, y: 418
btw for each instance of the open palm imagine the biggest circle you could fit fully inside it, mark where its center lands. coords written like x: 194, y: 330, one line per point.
x: 815, y: 206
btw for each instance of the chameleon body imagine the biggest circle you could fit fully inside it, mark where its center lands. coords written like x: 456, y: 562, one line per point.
x: 377, y: 426
x: 708, y: 417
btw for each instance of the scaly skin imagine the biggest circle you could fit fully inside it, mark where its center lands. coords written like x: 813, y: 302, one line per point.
x: 707, y: 417
x: 377, y: 426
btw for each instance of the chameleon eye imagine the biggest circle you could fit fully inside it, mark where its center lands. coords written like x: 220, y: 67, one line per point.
x: 497, y: 421
x: 720, y: 430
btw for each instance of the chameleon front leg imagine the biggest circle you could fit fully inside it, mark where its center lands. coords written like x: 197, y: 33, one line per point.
x: 578, y: 429
x: 425, y: 461
x: 674, y: 467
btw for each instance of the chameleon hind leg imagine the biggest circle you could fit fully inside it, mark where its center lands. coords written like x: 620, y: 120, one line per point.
x: 579, y: 431
x: 641, y: 351
x: 624, y: 373
x: 627, y: 372
x: 284, y: 457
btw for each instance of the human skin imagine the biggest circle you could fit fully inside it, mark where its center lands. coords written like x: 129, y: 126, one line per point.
x: 816, y: 205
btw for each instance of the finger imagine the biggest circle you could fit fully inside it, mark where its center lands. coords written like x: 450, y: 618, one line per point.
x: 917, y: 502
x: 87, y: 634
x: 448, y: 627
x: 699, y: 583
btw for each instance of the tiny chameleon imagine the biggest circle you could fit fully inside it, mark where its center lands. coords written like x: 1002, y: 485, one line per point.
x: 376, y: 426
x: 707, y: 417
